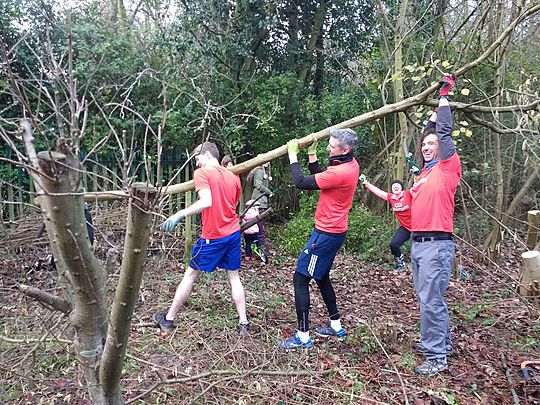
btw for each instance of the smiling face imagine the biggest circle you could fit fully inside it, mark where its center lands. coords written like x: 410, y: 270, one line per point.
x: 335, y: 149
x: 430, y: 147
x: 396, y: 188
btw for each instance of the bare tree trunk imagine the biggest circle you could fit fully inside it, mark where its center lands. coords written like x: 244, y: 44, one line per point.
x: 86, y: 279
x: 127, y: 292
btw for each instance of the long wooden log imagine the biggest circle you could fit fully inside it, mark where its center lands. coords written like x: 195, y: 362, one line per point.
x: 388, y: 109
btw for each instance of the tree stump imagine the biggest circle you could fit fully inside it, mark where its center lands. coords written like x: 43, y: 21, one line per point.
x: 530, y: 273
x: 533, y: 219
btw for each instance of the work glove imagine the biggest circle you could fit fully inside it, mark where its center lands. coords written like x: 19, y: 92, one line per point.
x: 413, y: 167
x: 446, y: 82
x: 312, y: 149
x: 363, y: 179
x: 172, y: 221
x: 292, y: 147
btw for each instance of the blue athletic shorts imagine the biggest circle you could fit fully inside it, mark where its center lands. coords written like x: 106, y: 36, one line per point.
x: 207, y: 254
x: 318, y: 255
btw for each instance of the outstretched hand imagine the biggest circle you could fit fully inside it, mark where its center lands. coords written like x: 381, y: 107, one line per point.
x: 363, y: 179
x: 446, y: 82
x: 172, y: 222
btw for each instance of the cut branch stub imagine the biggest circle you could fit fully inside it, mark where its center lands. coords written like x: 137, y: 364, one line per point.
x: 144, y: 195
x: 52, y: 163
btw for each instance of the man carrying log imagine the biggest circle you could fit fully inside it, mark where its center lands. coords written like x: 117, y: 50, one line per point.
x: 219, y: 192
x: 337, y: 184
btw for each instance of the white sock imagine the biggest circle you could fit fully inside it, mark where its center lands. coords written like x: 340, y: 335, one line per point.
x: 304, y: 336
x: 336, y: 325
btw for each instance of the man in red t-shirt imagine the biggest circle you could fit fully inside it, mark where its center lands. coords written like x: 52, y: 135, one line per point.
x: 219, y: 192
x: 400, y: 201
x: 338, y: 185
x: 432, y: 252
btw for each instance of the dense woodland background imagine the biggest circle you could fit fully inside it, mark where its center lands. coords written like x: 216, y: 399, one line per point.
x: 136, y: 85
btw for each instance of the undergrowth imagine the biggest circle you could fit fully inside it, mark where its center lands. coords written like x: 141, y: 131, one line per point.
x: 367, y: 237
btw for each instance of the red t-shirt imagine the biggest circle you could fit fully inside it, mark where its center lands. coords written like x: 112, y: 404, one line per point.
x: 433, y: 196
x: 220, y: 219
x: 401, y: 205
x: 338, y: 185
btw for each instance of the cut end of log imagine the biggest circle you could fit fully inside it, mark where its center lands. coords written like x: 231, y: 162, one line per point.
x: 530, y: 254
x: 51, y: 156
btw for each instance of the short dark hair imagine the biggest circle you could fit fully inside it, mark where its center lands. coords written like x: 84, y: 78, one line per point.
x: 346, y: 138
x: 226, y: 160
x: 396, y: 181
x: 207, y: 147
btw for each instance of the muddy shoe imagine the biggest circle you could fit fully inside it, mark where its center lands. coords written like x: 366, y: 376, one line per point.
x: 161, y: 321
x: 400, y: 264
x: 328, y: 331
x: 431, y: 367
x: 294, y: 343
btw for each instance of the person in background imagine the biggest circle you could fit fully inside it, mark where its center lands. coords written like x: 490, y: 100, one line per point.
x: 400, y: 201
x: 432, y: 218
x: 227, y: 161
x: 338, y: 185
x: 220, y: 245
x: 260, y: 178
x: 251, y: 234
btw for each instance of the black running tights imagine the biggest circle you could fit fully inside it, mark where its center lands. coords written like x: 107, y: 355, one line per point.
x: 301, y: 298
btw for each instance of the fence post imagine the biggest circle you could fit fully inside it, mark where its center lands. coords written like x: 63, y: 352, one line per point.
x: 10, y: 204
x: 105, y: 187
x: 169, y: 162
x: 20, y: 189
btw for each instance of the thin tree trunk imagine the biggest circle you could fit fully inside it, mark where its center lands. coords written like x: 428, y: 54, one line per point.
x: 138, y: 232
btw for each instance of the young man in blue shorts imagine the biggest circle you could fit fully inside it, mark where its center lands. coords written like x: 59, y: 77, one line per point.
x: 338, y: 185
x: 219, y: 192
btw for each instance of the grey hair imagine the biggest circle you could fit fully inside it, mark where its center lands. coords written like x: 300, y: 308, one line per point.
x: 346, y: 138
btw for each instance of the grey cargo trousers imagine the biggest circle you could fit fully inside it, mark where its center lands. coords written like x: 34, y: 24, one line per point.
x: 431, y: 268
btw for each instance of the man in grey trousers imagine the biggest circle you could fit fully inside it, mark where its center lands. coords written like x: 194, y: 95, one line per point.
x: 432, y: 226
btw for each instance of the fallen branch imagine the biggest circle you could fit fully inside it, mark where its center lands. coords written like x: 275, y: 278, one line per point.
x: 234, y: 373
x: 509, y: 379
x: 403, y: 388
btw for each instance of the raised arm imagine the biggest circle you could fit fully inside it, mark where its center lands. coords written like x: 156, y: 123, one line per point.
x: 444, y: 119
x: 300, y: 181
x: 377, y: 191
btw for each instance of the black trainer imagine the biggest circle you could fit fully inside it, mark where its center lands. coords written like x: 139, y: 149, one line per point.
x: 161, y: 321
x: 431, y: 367
x: 420, y: 348
x: 243, y: 329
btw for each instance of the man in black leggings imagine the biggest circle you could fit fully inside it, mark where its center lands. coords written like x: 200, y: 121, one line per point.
x: 337, y: 184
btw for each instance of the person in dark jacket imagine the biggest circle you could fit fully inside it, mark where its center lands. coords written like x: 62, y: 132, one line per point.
x: 260, y: 178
